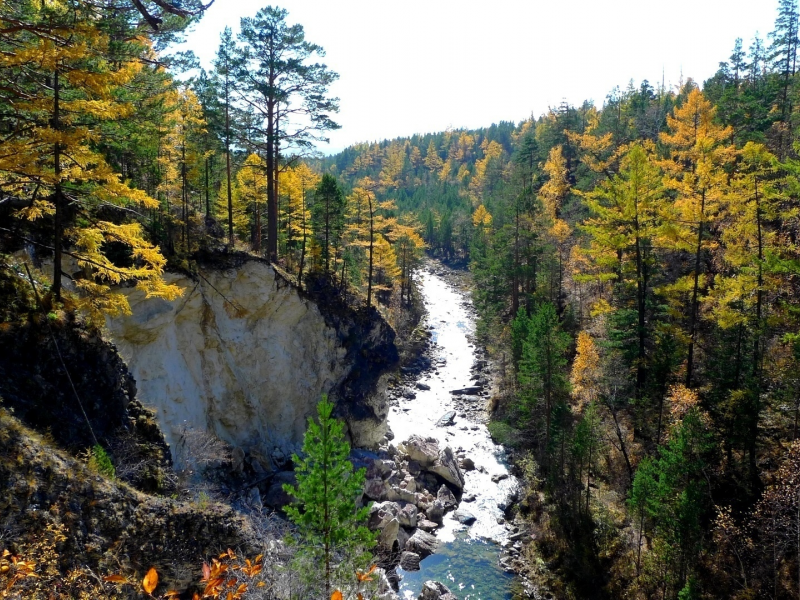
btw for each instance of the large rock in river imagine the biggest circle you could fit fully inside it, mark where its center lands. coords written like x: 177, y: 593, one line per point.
x: 434, y: 590
x: 443, y: 463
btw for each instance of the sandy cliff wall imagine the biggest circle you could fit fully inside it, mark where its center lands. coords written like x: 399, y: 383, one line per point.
x: 246, y: 355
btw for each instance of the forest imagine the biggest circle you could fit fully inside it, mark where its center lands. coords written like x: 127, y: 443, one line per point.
x: 636, y: 273
x: 635, y: 265
x: 128, y: 165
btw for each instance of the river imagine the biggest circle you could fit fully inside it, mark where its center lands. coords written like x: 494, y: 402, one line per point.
x: 467, y: 558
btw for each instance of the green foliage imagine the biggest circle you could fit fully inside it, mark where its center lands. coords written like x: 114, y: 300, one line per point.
x: 330, y: 523
x: 100, y: 462
x: 542, y: 370
x: 327, y: 217
x: 671, y: 491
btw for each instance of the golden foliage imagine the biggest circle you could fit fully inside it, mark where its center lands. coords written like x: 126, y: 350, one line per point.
x: 586, y: 372
x: 150, y: 581
x: 556, y: 187
x: 481, y: 217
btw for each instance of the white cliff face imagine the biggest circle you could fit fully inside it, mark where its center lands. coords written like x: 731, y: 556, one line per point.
x: 241, y: 354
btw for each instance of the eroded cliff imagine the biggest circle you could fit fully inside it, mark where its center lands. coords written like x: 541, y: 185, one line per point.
x: 246, y: 355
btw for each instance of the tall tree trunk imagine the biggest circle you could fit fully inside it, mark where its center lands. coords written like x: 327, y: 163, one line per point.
x: 184, y: 199
x: 228, y: 159
x: 272, y: 200
x: 208, y: 202
x: 371, y: 245
x: 275, y: 176
x: 58, y: 226
x: 515, y: 274
x: 756, y: 393
x: 695, y: 289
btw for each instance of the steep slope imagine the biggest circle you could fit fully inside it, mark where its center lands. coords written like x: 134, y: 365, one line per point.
x: 245, y: 355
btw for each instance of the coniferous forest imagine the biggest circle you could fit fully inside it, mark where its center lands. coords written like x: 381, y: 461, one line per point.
x: 635, y: 267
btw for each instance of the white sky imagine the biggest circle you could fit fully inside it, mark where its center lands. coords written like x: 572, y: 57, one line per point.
x: 417, y: 66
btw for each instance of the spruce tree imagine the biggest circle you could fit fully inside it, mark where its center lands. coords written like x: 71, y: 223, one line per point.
x: 331, y: 525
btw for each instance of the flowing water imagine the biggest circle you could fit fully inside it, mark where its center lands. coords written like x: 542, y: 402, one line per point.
x: 467, y: 558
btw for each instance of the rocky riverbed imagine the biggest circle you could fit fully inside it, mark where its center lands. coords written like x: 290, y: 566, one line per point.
x: 443, y: 498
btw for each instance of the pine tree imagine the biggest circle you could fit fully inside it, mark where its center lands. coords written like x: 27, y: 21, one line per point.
x: 542, y: 371
x: 627, y: 211
x: 331, y: 525
x: 289, y: 94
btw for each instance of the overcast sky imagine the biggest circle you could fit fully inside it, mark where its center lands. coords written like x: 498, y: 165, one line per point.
x: 417, y: 66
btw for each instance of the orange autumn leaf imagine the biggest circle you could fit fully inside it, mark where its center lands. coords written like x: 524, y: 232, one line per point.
x: 337, y: 595
x: 366, y: 576
x: 150, y: 580
x: 115, y: 579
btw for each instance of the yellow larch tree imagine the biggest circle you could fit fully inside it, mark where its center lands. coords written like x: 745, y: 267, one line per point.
x: 433, y: 162
x: 695, y: 171
x: 61, y: 81
x: 251, y: 192
x: 392, y: 165
x: 298, y: 184
x: 552, y: 194
x: 492, y: 152
x: 586, y: 372
x: 409, y: 245
x: 555, y: 189
x: 180, y: 155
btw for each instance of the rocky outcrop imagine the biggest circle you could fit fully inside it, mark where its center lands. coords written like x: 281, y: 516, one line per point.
x: 61, y: 377
x: 246, y: 356
x: 434, y: 590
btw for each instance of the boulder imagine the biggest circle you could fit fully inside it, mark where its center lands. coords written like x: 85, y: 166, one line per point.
x: 435, y: 512
x: 446, y: 419
x: 467, y: 464
x: 375, y: 489
x: 464, y: 517
x: 446, y: 497
x: 423, y: 386
x: 398, y: 494
x: 422, y: 543
x: 424, y: 451
x: 468, y: 498
x: 408, y: 516
x: 380, y: 513
x: 387, y: 540
x: 467, y: 391
x: 426, y: 525
x: 409, y: 561
x: 409, y: 483
x: 498, y: 477
x: 433, y: 590
x: 446, y: 467
x: 275, y: 496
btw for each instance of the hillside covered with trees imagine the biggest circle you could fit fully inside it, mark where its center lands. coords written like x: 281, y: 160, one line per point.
x: 636, y: 269
x: 635, y: 266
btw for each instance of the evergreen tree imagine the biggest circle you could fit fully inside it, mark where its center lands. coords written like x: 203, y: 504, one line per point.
x: 542, y: 368
x: 327, y: 216
x: 288, y: 94
x: 331, y: 525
